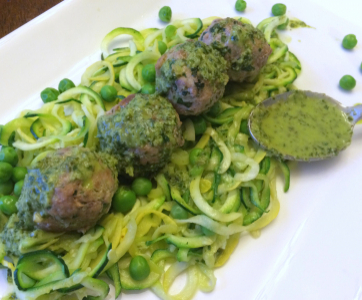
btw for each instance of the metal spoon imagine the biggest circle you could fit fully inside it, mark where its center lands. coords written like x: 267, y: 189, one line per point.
x: 353, y: 112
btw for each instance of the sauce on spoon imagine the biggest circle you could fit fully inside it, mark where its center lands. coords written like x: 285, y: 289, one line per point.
x: 301, y: 126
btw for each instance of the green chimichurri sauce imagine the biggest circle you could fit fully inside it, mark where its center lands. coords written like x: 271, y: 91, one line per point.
x: 302, y: 127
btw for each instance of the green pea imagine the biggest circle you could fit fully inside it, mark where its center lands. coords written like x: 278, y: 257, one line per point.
x: 6, y: 188
x: 199, y: 125
x: 148, y: 88
x: 349, y: 41
x: 215, y: 110
x: 162, y: 47
x: 165, y: 14
x: 8, y: 204
x: 141, y: 186
x: 108, y: 93
x: 194, y: 156
x: 170, y: 31
x: 279, y: 9
x: 178, y: 212
x: 207, y: 231
x: 123, y: 200
x: 347, y: 82
x: 9, y: 155
x: 65, y: 84
x: 49, y: 95
x: 284, y: 25
x: 139, y: 268
x: 19, y: 173
x: 6, y: 171
x: 149, y: 73
x: 18, y: 187
x: 240, y: 5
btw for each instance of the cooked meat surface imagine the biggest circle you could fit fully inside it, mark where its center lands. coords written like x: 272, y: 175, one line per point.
x: 70, y: 189
x: 242, y: 45
x: 141, y: 132
x: 192, y: 76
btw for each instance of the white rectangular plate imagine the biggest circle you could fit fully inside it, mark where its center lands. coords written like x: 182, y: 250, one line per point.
x: 313, y: 249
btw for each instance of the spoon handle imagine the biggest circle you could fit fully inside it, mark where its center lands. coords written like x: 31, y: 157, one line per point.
x: 355, y: 112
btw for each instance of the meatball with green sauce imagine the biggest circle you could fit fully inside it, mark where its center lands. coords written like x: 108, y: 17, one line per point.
x: 68, y: 190
x: 192, y: 76
x: 242, y: 45
x: 141, y: 132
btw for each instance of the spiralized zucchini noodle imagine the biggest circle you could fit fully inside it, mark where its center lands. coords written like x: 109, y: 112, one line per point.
x: 233, y: 191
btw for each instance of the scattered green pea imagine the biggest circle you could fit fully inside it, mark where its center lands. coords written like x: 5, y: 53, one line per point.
x: 279, y: 9
x: 165, y: 14
x: 8, y: 204
x: 19, y: 173
x: 349, y: 41
x: 149, y: 73
x: 65, y: 84
x: 18, y: 188
x: 170, y: 31
x: 178, y: 212
x: 49, y: 95
x: 6, y: 171
x: 139, y: 268
x: 162, y: 47
x: 6, y: 188
x: 123, y: 199
x: 240, y: 5
x: 347, y: 82
x: 9, y: 155
x: 148, y: 88
x: 141, y: 186
x: 108, y: 93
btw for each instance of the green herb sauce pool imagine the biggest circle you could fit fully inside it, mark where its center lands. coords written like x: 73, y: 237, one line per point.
x: 302, y: 127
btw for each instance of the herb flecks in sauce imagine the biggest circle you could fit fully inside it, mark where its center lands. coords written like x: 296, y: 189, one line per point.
x: 302, y: 127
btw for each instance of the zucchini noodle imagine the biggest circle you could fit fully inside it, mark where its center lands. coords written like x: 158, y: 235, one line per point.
x: 229, y: 191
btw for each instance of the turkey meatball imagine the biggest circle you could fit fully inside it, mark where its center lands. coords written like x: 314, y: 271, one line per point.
x: 242, y: 45
x: 141, y: 132
x: 70, y: 189
x: 192, y: 76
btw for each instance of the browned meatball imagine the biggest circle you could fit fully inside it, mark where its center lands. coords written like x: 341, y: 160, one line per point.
x: 70, y: 189
x: 192, y: 76
x: 242, y: 45
x: 141, y: 132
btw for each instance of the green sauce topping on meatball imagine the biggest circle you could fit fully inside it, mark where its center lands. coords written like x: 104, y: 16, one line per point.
x: 192, y: 75
x: 201, y: 59
x: 69, y: 189
x: 243, y: 46
x: 142, y: 134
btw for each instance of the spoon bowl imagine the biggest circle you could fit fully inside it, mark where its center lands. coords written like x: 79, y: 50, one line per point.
x: 353, y: 113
